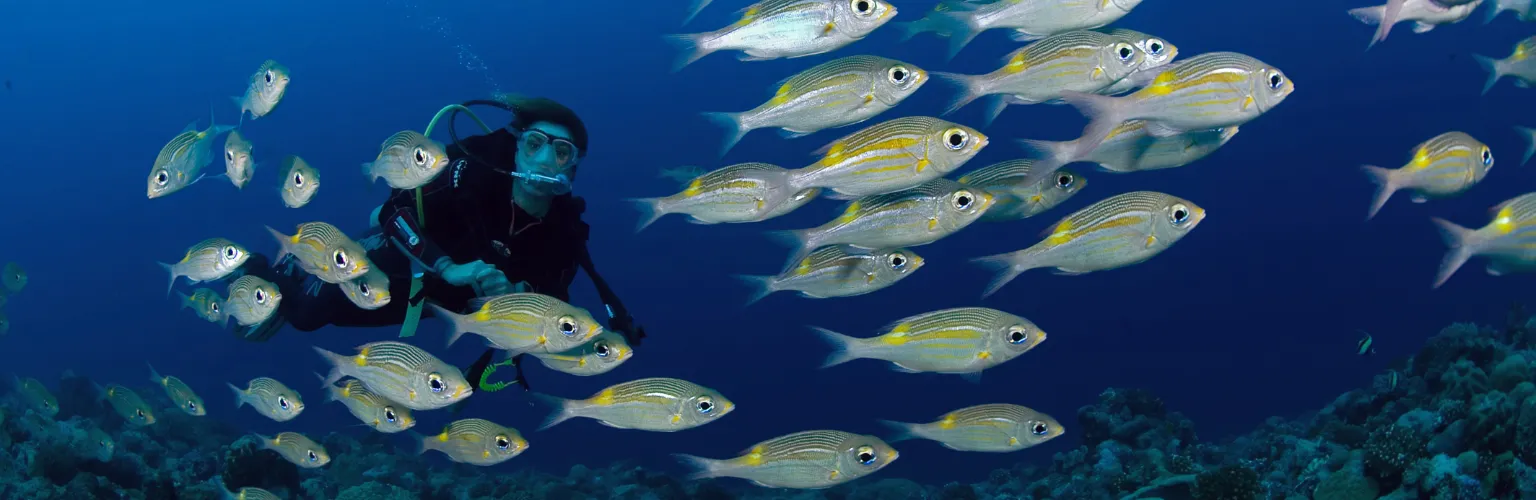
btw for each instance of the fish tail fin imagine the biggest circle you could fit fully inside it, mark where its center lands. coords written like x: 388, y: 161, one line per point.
x: 240, y: 104
x: 797, y: 239
x: 701, y: 468
x: 694, y: 7
x: 1494, y: 11
x: 1007, y: 266
x: 690, y: 46
x: 1494, y: 69
x: 172, y: 270
x: 336, y: 361
x: 101, y: 392
x: 970, y: 89
x: 762, y: 286
x: 1104, y: 114
x: 421, y: 442
x: 995, y: 104
x: 1385, y: 186
x: 563, y: 409
x: 282, y: 243
x: 456, y: 327
x: 650, y: 211
x: 961, y: 28
x: 1050, y: 155
x: 186, y: 300
x: 368, y: 173
x: 735, y: 129
x: 154, y: 376
x: 1461, y: 243
x: 911, y: 29
x: 239, y: 395
x: 900, y: 431
x: 844, y: 348
x: 1529, y: 134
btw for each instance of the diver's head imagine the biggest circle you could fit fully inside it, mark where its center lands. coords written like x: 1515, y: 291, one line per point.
x: 551, y: 143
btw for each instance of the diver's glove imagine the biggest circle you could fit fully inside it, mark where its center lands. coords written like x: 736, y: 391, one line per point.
x: 484, y: 278
x: 627, y: 327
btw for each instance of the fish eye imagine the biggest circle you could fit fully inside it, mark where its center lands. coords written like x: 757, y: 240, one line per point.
x: 298, y: 179
x: 104, y: 443
x: 1487, y: 157
x: 192, y: 405
x: 229, y: 155
x: 1065, y: 180
x: 421, y: 157
x: 282, y: 402
x: 261, y: 296
x: 1039, y: 428
x: 269, y: 76
x: 138, y: 413
x: 962, y: 200
x: 602, y: 349
x: 214, y: 307
x: 956, y: 138
x: 502, y: 442
x: 706, y: 405
x: 1155, y: 47
x: 862, y: 7
x: 435, y: 381
x: 1180, y: 214
x: 1017, y: 335
x: 313, y: 457
x: 866, y: 455
x: 389, y: 414
x: 162, y: 177
x: 1276, y: 80
x: 898, y: 74
x: 897, y: 261
x: 568, y: 325
x: 340, y: 257
x: 362, y: 288
x: 1124, y: 51
x: 231, y: 252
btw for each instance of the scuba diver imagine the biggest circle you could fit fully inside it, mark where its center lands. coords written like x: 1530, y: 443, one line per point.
x: 500, y: 218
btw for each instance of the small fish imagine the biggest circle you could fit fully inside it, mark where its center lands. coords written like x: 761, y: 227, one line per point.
x: 407, y: 160
x: 838, y: 271
x: 369, y: 291
x: 182, y: 159
x: 1159, y: 53
x: 1425, y: 14
x: 1508, y: 240
x: 1207, y: 91
x: 890, y: 156
x: 206, y: 303
x: 803, y: 460
x: 476, y: 442
x: 300, y: 182
x: 602, y: 354
x: 248, y: 493
x: 251, y: 300
x: 933, y: 21
x: 324, y: 251
x: 101, y: 443
x: 684, y: 175
x: 267, y: 87
x: 1118, y: 231
x: 14, y: 277
x: 1080, y: 61
x: 836, y: 93
x: 1030, y: 20
x: 914, y: 217
x: 238, y: 165
x: 208, y: 260
x: 1521, y: 64
x: 270, y: 398
x: 1021, y: 193
x: 1443, y: 166
x: 744, y: 192
x: 1522, y: 8
x: 401, y: 373
x: 37, y: 396
x: 964, y: 340
x: 993, y: 428
x: 374, y: 410
x: 649, y: 404
x: 1366, y: 345
x: 1527, y: 133
x: 127, y: 404
x: 522, y: 322
x: 774, y: 29
x: 296, y: 449
x: 1131, y: 148
x: 179, y: 393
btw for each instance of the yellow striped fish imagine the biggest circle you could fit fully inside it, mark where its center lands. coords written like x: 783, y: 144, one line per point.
x: 522, y: 322
x: 1509, y: 240
x: 832, y: 94
x: 890, y: 156
x: 476, y: 442
x: 181, y: 160
x: 37, y: 396
x: 324, y: 251
x: 180, y: 394
x: 300, y: 182
x: 238, y: 163
x: 1521, y: 64
x: 297, y: 449
x: 774, y: 29
x: 206, y: 303
x: 268, y: 85
x: 963, y: 340
x: 407, y: 160
x: 987, y: 428
x: 270, y: 398
x: 650, y: 404
x: 602, y: 354
x: 1081, y: 61
x: 1030, y: 19
x: 369, y: 291
x: 101, y: 443
x: 744, y: 192
x: 837, y: 271
x: 1446, y: 165
x: 127, y: 404
x: 374, y: 410
x: 1021, y: 190
x: 1159, y: 54
x: 918, y: 216
x: 249, y: 493
x: 251, y: 300
x: 1131, y: 148
x: 208, y: 260
x: 1207, y: 91
x: 802, y: 460
x: 1119, y: 231
x: 402, y: 373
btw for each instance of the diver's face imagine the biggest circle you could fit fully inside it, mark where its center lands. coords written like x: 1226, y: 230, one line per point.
x: 545, y: 160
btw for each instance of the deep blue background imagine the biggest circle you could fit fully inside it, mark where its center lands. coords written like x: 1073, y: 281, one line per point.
x: 1254, y: 314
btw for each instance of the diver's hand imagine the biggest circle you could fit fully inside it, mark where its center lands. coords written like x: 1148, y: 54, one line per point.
x: 484, y: 278
x: 627, y: 327
x: 492, y: 283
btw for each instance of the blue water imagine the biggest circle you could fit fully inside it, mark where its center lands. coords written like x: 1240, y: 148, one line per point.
x: 1254, y: 314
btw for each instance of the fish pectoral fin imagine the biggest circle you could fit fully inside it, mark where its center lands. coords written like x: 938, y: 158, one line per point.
x: 1248, y: 102
x: 1421, y: 27
x: 1151, y: 240
x: 828, y: 29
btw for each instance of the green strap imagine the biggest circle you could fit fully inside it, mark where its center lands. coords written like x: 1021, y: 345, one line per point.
x: 490, y: 369
x: 413, y: 305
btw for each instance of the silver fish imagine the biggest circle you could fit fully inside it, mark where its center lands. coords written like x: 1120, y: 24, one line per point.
x: 914, y: 217
x: 802, y: 460
x: 102, y: 443
x: 300, y: 182
x: 744, y: 192
x: 1522, y: 8
x: 206, y: 303
x: 181, y: 160
x: 37, y: 396
x: 476, y: 442
x: 251, y: 300
x: 401, y: 373
x: 266, y: 89
x: 185, y: 399
x: 127, y: 404
x: 208, y: 260
x: 650, y: 404
x: 324, y: 251
x: 296, y: 449
x: 238, y: 164
x: 602, y: 354
x: 890, y: 156
x: 407, y: 160
x: 522, y: 322
x: 270, y: 398
x: 1022, y: 191
x: 1029, y: 19
x: 1079, y: 61
x: 1521, y: 64
x: 836, y: 93
x: 995, y: 428
x: 1131, y: 148
x: 374, y: 410
x: 964, y: 341
x: 369, y: 291
x: 838, y: 271
x: 1425, y: 14
x: 1508, y: 241
x: 1443, y: 166
x: 774, y: 29
x: 1118, y: 231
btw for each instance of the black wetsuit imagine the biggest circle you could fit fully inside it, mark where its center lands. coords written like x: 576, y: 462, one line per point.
x: 468, y: 215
